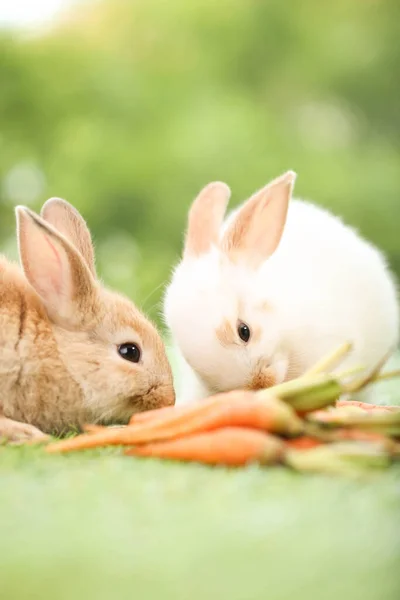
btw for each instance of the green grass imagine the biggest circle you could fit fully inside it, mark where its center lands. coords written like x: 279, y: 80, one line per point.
x: 100, y: 525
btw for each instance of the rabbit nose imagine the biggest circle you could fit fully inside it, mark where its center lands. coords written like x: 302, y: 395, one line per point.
x: 159, y: 396
x: 167, y: 395
x: 264, y: 378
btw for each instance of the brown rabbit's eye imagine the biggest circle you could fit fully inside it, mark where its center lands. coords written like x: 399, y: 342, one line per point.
x: 244, y: 332
x: 129, y: 351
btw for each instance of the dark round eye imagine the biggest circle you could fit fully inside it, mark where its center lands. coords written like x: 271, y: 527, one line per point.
x: 129, y: 351
x: 244, y: 332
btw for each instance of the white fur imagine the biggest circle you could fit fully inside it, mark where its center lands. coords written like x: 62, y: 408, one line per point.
x: 325, y: 286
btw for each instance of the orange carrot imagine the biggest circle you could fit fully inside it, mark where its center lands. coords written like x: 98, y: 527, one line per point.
x: 113, y: 438
x: 366, y: 405
x: 231, y: 446
x: 341, y: 434
x: 305, y: 442
x: 175, y: 415
x: 268, y: 414
x: 161, y: 413
x: 354, y: 416
x: 90, y: 428
x: 359, y: 435
x: 335, y: 414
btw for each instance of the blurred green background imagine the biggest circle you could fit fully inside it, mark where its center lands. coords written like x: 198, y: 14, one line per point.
x: 127, y: 109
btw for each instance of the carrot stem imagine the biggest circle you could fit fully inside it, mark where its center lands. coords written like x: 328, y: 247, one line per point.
x: 341, y: 457
x: 387, y: 375
x: 307, y: 394
x: 366, y: 405
x: 350, y: 371
x: 327, y: 363
x: 359, y: 384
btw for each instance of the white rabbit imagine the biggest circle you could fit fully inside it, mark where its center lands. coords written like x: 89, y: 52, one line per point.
x: 260, y: 298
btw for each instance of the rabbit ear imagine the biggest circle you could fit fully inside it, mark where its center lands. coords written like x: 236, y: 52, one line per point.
x: 68, y: 221
x: 205, y: 218
x: 55, y: 269
x: 257, y: 229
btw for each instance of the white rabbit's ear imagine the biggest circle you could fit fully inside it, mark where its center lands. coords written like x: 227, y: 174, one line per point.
x: 68, y: 221
x: 56, y: 270
x: 205, y: 219
x: 256, y: 230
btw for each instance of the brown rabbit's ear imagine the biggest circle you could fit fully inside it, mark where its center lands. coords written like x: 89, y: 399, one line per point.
x: 256, y: 230
x: 205, y: 219
x: 68, y: 221
x: 56, y: 270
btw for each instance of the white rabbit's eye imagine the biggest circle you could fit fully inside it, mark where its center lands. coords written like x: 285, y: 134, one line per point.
x: 129, y: 351
x: 243, y: 332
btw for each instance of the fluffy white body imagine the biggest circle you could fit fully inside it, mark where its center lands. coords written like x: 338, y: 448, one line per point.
x: 318, y: 286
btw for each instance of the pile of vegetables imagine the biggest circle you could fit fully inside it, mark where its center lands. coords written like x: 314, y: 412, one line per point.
x: 304, y: 424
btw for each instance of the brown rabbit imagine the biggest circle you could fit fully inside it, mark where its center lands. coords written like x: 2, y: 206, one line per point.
x: 71, y: 351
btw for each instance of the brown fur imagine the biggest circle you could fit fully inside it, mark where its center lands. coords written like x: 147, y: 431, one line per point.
x: 255, y: 334
x: 263, y: 378
x: 265, y: 306
x: 69, y: 222
x: 59, y: 365
x: 226, y: 334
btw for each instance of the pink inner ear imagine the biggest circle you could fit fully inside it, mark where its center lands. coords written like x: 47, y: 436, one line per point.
x: 55, y: 280
x: 205, y: 218
x: 255, y: 233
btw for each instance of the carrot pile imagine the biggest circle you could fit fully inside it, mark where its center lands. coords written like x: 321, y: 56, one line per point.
x: 304, y: 423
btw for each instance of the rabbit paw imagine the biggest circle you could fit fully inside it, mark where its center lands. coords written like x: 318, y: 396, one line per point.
x: 14, y: 432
